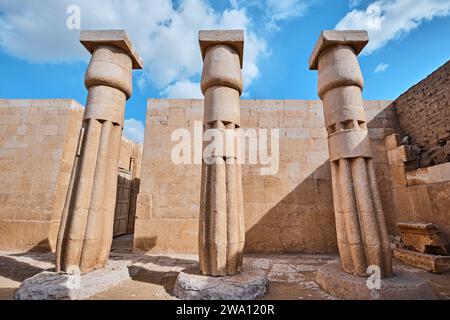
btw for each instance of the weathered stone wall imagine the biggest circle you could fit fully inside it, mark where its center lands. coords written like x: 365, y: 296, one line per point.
x: 291, y: 211
x: 424, y: 110
x: 130, y: 150
x: 131, y: 159
x: 425, y: 203
x: 38, y: 140
x: 423, y: 195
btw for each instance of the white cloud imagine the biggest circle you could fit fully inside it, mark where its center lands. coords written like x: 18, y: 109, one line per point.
x: 280, y: 10
x: 165, y: 36
x: 354, y: 3
x: 276, y: 11
x: 389, y: 19
x: 134, y: 130
x: 184, y: 89
x: 382, y: 67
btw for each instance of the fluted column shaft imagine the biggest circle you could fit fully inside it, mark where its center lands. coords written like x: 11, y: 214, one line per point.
x: 85, y: 234
x: 221, y: 226
x: 360, y: 225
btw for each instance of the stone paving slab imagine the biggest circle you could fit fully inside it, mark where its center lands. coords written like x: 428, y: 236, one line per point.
x: 153, y: 276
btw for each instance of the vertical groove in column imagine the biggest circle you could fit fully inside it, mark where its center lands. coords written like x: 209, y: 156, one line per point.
x: 221, y: 85
x: 218, y: 216
x: 232, y: 210
x: 204, y: 247
x: 240, y: 205
x: 387, y: 270
x: 64, y: 224
x: 352, y: 223
x: 343, y: 245
x: 111, y: 192
x: 232, y: 217
x: 82, y: 195
x: 93, y: 231
x: 369, y: 224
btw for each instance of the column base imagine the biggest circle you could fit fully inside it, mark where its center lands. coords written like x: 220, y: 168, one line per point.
x: 63, y: 286
x: 401, y: 286
x: 247, y: 285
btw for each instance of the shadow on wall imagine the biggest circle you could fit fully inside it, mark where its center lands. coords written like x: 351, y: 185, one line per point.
x: 145, y: 243
x: 291, y: 212
x: 303, y: 221
x: 133, y: 204
x: 299, y: 222
x: 38, y: 254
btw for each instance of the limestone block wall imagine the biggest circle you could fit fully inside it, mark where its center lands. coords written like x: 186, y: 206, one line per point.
x: 421, y: 195
x: 291, y: 211
x: 130, y: 150
x: 38, y: 141
x: 131, y: 159
x: 424, y: 110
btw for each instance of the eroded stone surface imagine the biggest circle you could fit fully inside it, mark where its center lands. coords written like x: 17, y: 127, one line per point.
x: 153, y: 276
x: 61, y: 286
x: 429, y: 262
x: 400, y: 286
x: 86, y: 228
x: 247, y: 285
x: 423, y: 237
x: 360, y: 223
x: 221, y: 228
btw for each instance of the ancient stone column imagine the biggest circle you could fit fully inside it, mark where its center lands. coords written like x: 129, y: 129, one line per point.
x: 221, y: 230
x: 85, y: 234
x: 361, y: 228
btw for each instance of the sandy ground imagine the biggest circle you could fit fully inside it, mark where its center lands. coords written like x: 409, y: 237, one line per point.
x: 153, y: 276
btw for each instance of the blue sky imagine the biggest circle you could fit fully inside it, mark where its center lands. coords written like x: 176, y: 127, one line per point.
x: 40, y: 57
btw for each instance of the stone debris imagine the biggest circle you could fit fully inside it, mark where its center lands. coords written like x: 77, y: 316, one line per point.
x: 423, y: 237
x: 430, y: 262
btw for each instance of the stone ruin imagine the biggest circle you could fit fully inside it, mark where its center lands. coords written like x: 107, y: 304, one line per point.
x: 366, y: 207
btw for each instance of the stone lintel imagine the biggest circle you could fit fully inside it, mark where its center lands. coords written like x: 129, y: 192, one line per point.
x: 357, y: 39
x: 232, y: 38
x: 118, y: 38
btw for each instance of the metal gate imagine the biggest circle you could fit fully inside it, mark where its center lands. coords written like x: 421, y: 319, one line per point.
x: 122, y: 202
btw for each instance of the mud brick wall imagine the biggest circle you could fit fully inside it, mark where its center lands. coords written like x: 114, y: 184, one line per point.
x: 289, y: 212
x: 424, y: 110
x: 38, y: 140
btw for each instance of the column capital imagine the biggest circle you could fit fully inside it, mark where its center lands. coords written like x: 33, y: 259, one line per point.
x: 232, y: 38
x: 356, y: 39
x: 90, y: 39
